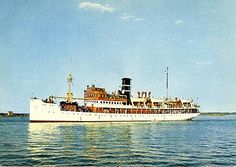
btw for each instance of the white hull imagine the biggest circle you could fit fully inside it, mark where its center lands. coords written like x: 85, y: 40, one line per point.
x: 48, y: 112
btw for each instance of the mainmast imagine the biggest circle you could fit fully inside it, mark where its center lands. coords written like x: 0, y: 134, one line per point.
x: 167, y: 82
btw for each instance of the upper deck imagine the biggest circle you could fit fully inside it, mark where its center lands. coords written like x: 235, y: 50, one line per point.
x: 98, y: 97
x: 96, y: 93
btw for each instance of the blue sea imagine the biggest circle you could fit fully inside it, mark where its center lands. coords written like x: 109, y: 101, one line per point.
x: 204, y: 141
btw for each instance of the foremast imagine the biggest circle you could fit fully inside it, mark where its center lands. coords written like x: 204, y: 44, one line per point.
x: 69, y: 96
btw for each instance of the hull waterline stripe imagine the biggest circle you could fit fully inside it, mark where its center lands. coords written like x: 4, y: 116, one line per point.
x: 43, y: 121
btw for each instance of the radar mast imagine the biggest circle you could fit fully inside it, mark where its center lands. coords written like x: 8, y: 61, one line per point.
x: 167, y: 83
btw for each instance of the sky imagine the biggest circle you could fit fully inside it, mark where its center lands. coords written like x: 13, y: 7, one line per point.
x: 104, y: 41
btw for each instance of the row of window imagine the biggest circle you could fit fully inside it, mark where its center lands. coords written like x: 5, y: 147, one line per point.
x: 48, y: 105
x: 119, y: 115
x: 96, y: 95
x: 104, y: 102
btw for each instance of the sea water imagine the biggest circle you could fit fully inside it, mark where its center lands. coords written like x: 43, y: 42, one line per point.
x: 204, y: 141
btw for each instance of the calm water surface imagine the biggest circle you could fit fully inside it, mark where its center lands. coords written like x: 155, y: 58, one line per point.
x: 205, y: 141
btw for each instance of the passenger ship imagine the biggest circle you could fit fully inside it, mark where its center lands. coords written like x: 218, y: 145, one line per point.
x: 120, y: 106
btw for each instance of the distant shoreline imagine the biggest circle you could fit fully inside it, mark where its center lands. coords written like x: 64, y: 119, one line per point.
x: 14, y: 115
x: 218, y: 113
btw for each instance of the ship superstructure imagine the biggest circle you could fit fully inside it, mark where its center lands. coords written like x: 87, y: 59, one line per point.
x: 101, y: 106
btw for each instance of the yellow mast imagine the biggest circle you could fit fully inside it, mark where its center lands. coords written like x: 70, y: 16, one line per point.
x: 69, y: 96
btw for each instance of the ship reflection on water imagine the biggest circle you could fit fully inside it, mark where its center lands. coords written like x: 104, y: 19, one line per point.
x: 102, y: 143
x: 89, y: 143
